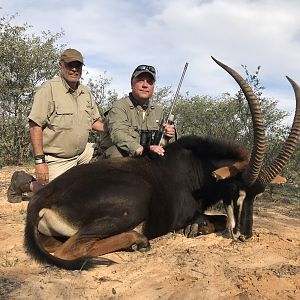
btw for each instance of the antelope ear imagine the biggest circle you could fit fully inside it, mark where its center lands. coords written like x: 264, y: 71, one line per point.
x: 223, y: 173
x: 279, y: 179
x: 230, y: 171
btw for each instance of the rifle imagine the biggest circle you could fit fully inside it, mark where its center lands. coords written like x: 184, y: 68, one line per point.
x: 159, y: 138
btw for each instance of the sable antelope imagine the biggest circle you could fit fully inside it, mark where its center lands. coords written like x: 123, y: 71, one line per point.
x: 93, y: 209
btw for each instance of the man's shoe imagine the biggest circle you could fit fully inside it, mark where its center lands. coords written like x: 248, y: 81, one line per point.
x: 20, y: 183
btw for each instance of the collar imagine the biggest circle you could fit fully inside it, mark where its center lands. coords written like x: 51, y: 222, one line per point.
x: 79, y: 90
x: 134, y: 103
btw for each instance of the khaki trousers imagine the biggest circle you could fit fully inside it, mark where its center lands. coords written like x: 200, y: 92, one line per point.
x: 58, y: 166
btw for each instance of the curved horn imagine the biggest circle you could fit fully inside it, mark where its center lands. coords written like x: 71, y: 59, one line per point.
x: 269, y: 173
x: 251, y: 173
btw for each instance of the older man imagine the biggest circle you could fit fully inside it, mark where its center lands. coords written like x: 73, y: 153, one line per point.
x: 133, y: 122
x: 62, y: 115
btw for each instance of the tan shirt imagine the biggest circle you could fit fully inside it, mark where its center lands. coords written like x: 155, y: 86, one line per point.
x: 125, y: 120
x: 66, y: 117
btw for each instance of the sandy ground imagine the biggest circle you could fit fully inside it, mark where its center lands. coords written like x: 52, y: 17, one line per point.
x: 206, y: 267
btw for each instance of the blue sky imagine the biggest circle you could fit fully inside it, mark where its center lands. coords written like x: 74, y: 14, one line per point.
x: 117, y: 35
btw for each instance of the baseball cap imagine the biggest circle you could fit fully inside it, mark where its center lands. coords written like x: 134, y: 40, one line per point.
x: 70, y: 55
x: 144, y: 69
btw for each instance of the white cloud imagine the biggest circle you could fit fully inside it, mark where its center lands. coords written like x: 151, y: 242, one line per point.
x: 117, y: 35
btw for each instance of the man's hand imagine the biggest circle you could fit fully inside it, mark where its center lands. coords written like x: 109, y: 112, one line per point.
x: 169, y: 130
x: 98, y: 126
x: 157, y: 149
x: 138, y: 151
x: 42, y: 173
x: 152, y: 148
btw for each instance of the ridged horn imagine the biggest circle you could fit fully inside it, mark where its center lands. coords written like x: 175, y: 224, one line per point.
x: 269, y: 173
x: 257, y: 155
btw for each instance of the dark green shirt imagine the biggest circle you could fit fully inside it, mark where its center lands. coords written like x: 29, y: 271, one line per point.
x: 125, y: 120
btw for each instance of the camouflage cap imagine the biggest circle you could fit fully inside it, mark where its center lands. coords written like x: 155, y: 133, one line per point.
x: 144, y: 69
x: 70, y: 55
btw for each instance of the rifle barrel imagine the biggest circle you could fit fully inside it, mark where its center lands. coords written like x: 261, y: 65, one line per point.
x: 170, y: 115
x: 178, y: 89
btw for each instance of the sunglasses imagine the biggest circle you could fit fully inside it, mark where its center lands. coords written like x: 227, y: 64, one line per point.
x: 73, y: 64
x: 145, y: 67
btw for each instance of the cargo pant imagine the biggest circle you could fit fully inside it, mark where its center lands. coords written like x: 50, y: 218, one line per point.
x: 58, y: 166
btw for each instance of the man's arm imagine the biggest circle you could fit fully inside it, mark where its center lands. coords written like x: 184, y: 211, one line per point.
x: 120, y: 129
x: 98, y: 126
x: 36, y: 135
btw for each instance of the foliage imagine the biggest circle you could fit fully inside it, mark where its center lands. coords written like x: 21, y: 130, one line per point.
x: 208, y: 116
x: 162, y: 97
x: 103, y: 96
x: 25, y: 61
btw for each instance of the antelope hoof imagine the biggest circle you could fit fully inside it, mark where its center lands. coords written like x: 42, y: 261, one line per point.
x: 202, y: 227
x: 142, y: 246
x: 245, y: 238
x: 191, y: 230
x: 228, y: 234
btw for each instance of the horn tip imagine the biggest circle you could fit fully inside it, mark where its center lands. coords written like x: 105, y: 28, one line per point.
x: 292, y: 82
x: 217, y: 61
x: 213, y: 58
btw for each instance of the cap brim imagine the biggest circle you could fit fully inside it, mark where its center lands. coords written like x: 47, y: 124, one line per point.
x: 68, y: 60
x: 137, y: 73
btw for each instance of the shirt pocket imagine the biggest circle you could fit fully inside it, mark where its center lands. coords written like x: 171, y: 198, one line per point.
x: 63, y: 119
x: 153, y: 121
